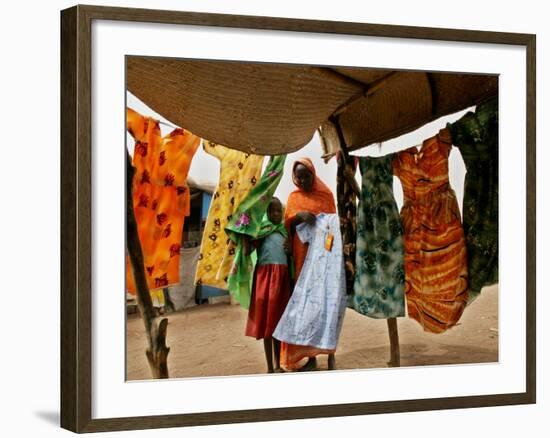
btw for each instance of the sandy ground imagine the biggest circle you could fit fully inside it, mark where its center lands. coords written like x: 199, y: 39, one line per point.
x: 208, y: 340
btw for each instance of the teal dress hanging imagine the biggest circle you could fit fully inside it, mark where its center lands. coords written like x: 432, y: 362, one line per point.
x: 379, y: 288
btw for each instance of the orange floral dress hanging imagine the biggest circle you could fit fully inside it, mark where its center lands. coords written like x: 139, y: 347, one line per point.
x: 161, y: 196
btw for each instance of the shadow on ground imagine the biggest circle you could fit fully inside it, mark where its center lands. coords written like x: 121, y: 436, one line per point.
x: 416, y: 355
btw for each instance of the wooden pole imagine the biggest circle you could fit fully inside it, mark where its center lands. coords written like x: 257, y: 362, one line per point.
x: 155, y: 328
x: 350, y: 178
x: 395, y: 356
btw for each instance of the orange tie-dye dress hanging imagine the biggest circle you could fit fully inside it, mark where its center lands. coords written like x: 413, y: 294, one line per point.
x: 161, y: 196
x: 436, y: 270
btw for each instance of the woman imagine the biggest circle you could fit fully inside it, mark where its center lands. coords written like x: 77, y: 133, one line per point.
x: 311, y: 198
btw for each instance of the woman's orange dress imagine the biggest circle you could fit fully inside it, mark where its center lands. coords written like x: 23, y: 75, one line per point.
x: 435, y: 250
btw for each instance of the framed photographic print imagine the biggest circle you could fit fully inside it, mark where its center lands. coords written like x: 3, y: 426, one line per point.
x: 268, y: 218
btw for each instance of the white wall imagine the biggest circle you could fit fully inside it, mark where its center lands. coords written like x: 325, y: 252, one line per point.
x: 30, y: 219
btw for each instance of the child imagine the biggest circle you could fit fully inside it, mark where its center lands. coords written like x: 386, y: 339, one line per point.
x: 271, y: 284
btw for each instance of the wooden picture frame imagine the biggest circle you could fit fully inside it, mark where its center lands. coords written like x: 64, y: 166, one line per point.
x: 76, y: 218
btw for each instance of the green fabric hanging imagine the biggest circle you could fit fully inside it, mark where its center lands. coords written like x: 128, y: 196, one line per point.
x: 476, y: 136
x: 250, y: 219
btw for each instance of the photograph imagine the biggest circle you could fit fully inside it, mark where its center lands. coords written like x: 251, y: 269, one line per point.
x: 275, y: 219
x: 267, y: 218
x: 298, y: 218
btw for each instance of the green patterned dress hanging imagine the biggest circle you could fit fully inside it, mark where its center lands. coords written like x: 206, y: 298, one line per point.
x: 476, y: 136
x: 379, y: 289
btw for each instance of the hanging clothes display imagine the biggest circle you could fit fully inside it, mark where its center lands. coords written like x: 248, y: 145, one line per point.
x: 239, y: 173
x: 476, y: 136
x: 379, y: 288
x: 436, y: 271
x: 314, y: 315
x: 347, y: 210
x: 248, y: 220
x: 161, y: 196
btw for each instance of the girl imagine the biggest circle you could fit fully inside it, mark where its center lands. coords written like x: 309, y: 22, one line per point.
x: 271, y: 284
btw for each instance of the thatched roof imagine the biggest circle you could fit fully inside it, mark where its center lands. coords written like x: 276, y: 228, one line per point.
x: 276, y: 108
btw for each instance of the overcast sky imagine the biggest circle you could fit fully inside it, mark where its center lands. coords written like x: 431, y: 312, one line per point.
x: 205, y: 168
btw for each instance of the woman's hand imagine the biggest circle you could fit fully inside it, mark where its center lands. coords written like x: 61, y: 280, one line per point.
x: 303, y: 216
x: 307, y: 217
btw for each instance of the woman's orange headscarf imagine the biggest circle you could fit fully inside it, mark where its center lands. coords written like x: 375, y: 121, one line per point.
x: 319, y: 200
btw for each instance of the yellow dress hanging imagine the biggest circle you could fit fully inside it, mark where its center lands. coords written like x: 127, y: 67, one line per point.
x: 239, y: 172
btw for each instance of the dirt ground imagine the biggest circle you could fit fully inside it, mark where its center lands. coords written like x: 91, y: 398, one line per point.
x: 208, y: 340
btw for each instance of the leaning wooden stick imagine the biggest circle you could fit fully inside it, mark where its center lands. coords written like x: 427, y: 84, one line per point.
x: 155, y: 328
